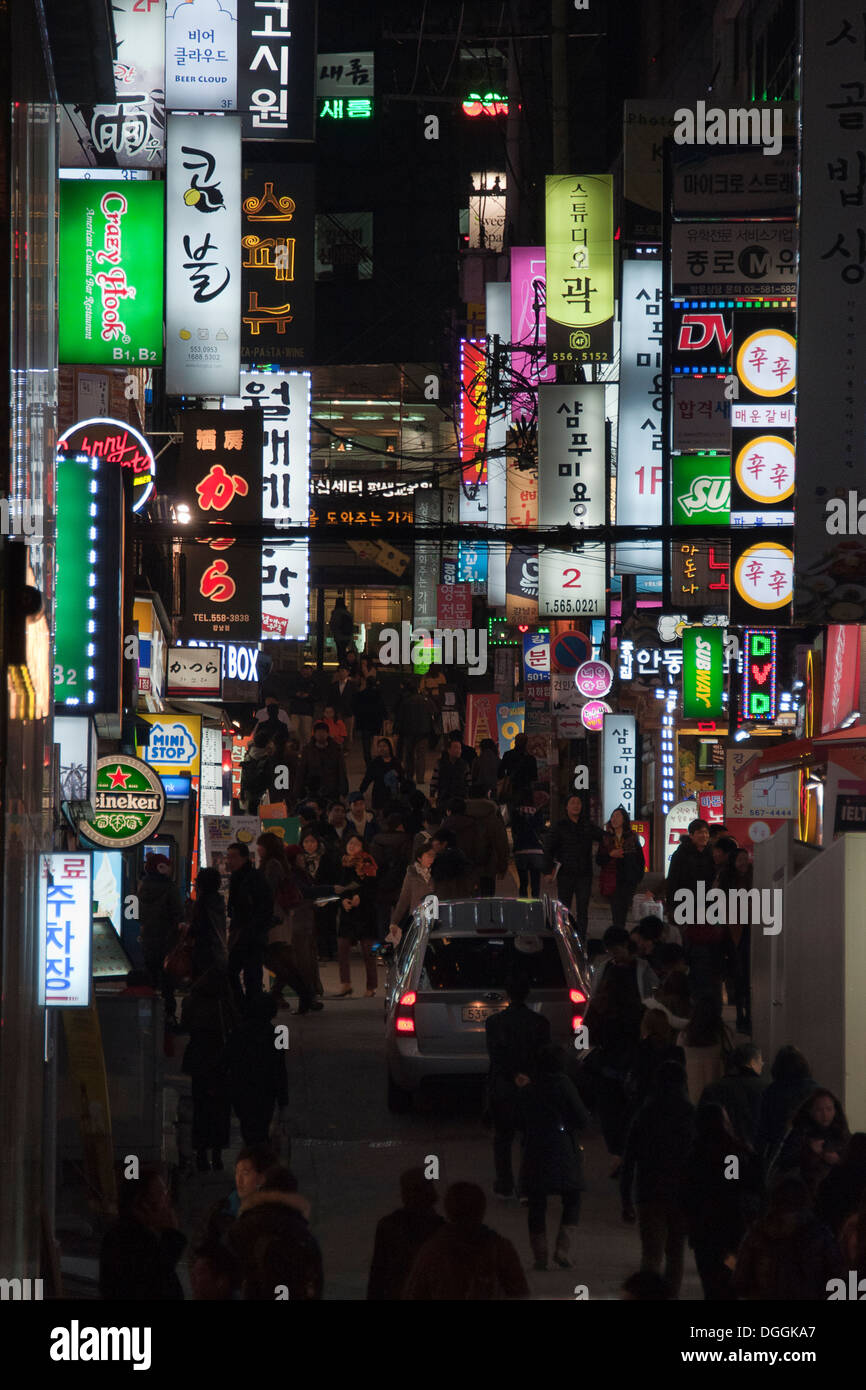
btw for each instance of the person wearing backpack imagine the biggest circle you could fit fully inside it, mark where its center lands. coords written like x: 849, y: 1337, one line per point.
x: 621, y: 860
x: 465, y: 1259
x: 281, y: 957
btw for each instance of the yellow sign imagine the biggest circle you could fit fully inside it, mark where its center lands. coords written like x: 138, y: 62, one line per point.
x: 175, y: 744
x: 579, y: 256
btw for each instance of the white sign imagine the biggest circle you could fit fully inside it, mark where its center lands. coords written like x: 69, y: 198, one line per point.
x: 764, y: 468
x: 201, y: 55
x: 571, y: 583
x: 344, y: 74
x: 195, y: 671
x: 744, y: 258
x: 764, y: 575
x: 677, y: 822
x: 753, y: 415
x: 65, y: 928
x: 285, y: 590
x: 565, y: 699
x: 428, y: 558
x: 763, y: 797
x: 498, y: 319
x: 487, y: 212
x: 618, y: 763
x: 767, y: 362
x: 203, y: 255
x: 639, y: 467
x: 76, y: 735
x: 571, y: 456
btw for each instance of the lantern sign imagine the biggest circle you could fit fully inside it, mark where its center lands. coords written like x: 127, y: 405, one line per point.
x: 759, y: 675
x: 592, y: 715
x: 703, y: 672
x: 593, y: 679
x: 117, y: 443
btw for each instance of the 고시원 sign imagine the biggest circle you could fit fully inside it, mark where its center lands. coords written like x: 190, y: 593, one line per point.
x: 129, y: 803
x: 111, y: 274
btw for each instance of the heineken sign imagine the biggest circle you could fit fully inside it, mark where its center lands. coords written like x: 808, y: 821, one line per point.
x: 703, y: 673
x: 111, y: 272
x: 701, y: 490
x: 129, y: 803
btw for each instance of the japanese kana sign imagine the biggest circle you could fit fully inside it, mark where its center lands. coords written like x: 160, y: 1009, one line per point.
x: 277, y: 270
x: 128, y: 133
x: 571, y: 456
x: 223, y: 591
x: 203, y: 255
x: 110, y: 272
x: 579, y: 254
x: 129, y: 805
x: 65, y: 929
x: 220, y: 473
x: 120, y: 444
x: 194, y: 671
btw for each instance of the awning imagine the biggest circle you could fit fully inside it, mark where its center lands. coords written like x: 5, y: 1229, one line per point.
x: 787, y: 757
x: 856, y: 734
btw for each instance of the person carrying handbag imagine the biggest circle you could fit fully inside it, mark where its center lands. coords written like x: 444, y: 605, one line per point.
x: 621, y: 860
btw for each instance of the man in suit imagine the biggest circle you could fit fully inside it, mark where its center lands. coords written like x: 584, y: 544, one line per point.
x: 514, y: 1039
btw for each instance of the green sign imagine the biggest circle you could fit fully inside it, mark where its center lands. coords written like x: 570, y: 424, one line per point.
x: 703, y: 672
x: 87, y: 587
x: 701, y: 490
x: 111, y: 272
x: 129, y: 804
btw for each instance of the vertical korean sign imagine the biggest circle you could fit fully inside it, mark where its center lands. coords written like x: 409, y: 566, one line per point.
x: 498, y: 316
x: 473, y: 430
x: 203, y: 255
x: 65, y: 929
x: 639, y: 468
x: 619, y: 763
x: 831, y: 310
x: 277, y: 69
x: 571, y: 456
x: 579, y: 257
x: 528, y: 327
x: 277, y: 272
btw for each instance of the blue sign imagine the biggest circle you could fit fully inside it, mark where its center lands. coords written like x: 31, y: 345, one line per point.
x: 536, y: 656
x: 176, y: 788
x: 472, y: 562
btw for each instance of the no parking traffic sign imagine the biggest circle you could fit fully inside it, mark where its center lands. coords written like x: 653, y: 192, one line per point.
x: 568, y: 650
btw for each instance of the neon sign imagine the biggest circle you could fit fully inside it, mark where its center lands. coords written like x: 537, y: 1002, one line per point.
x: 759, y: 675
x: 491, y: 104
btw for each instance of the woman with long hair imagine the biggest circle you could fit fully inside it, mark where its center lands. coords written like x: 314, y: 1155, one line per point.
x: 282, y: 957
x: 621, y: 860
x: 417, y: 885
x: 817, y: 1140
x: 207, y: 927
x: 384, y: 774
x: 707, y: 1043
x: 357, y: 918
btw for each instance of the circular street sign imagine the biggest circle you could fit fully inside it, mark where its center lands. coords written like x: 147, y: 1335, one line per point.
x: 593, y: 678
x: 129, y: 804
x: 568, y: 650
x: 764, y: 575
x: 592, y: 715
x: 764, y: 469
x: 119, y: 443
x: 767, y: 362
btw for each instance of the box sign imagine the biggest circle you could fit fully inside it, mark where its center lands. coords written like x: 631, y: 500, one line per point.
x: 194, y: 672
x: 87, y: 595
x: 701, y: 490
x: 65, y: 929
x: 220, y: 466
x: 453, y: 605
x: 110, y: 273
x: 741, y: 258
x: 703, y: 673
x: 759, y: 676
x: 639, y: 470
x: 201, y: 55
x: 487, y: 210
x: 277, y: 69
x: 593, y: 679
x: 176, y: 788
x: 766, y: 361
x: 536, y: 656
x: 572, y: 583
x: 762, y: 577
x: 593, y: 714
x: 701, y: 338
x: 277, y: 269
x: 618, y: 763
x: 571, y: 456
x: 76, y: 736
x: 344, y: 74
x: 120, y: 445
x: 841, y: 676
x: 175, y: 743
x: 735, y: 181
x: 223, y: 589
x: 528, y: 327
x: 203, y: 255
x: 128, y: 133
x: 521, y: 497
x: 129, y: 804
x: 701, y: 414
x: 521, y: 584
x: 700, y: 575
x: 850, y: 814
x: 473, y: 430
x: 579, y: 257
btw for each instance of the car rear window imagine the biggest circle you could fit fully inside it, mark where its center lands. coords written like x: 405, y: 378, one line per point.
x: 486, y: 962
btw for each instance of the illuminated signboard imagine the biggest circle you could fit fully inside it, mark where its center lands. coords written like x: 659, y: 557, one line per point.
x: 703, y: 673
x: 129, y: 803
x: 759, y: 675
x: 340, y: 73
x: 639, y: 458
x: 381, y: 513
x: 487, y: 211
x: 220, y: 465
x: 110, y: 273
x: 346, y: 109
x: 572, y: 583
x: 473, y: 430
x: 762, y: 576
x: 277, y: 69
x: 119, y: 444
x: 701, y: 337
x: 579, y: 256
x: 87, y: 600
x: 201, y: 55
x: 491, y: 104
x: 571, y: 456
x: 194, y: 671
x: 618, y: 763
x: 65, y: 929
x: 528, y: 326
x: 175, y: 742
x: 701, y: 490
x: 223, y: 591
x: 277, y: 269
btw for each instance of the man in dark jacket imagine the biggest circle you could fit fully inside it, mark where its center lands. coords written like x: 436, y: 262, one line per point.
x: 740, y: 1092
x: 414, y: 725
x: 570, y: 845
x: 342, y: 629
x: 515, y: 1038
x: 278, y: 1254
x: 465, y: 1259
x: 302, y: 702
x: 251, y: 913
x: 140, y: 1251
x: 369, y: 710
x: 159, y: 913
x: 692, y: 863
x: 451, y: 774
x: 322, y: 769
x: 400, y: 1235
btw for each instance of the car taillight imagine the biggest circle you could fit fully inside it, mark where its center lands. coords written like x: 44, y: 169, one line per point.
x: 577, y: 996
x: 405, y: 1019
x: 576, y: 1022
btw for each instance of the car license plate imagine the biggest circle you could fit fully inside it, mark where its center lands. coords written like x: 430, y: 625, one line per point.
x: 479, y: 1012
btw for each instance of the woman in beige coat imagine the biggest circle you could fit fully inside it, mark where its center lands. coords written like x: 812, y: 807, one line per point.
x: 706, y: 1041
x: 417, y: 884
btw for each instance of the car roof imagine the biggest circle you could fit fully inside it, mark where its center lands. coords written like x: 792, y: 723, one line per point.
x: 515, y: 916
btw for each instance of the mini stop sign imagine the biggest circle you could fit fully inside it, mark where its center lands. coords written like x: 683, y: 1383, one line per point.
x: 592, y: 715
x: 593, y: 678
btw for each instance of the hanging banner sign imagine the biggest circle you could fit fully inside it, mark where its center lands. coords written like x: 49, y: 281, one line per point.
x: 521, y: 497
x: 521, y: 585
x: 65, y: 929
x: 703, y: 673
x: 639, y: 469
x: 129, y: 805
x: 201, y: 55
x: 222, y: 591
x: 510, y: 718
x: 110, y: 273
x: 88, y: 588
x: 571, y: 456
x: 220, y: 465
x: 277, y: 69
x: 572, y: 583
x: 759, y: 676
x: 119, y: 444
x: 741, y: 258
x: 487, y: 210
x: 128, y: 133
x: 618, y: 764
x: 203, y: 255
x: 428, y: 557
x: 453, y: 606
x: 579, y: 259
x: 473, y: 430
x: 528, y: 328
x: 841, y: 676
x: 277, y: 270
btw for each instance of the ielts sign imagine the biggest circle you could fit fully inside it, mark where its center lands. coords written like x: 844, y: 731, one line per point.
x: 759, y: 675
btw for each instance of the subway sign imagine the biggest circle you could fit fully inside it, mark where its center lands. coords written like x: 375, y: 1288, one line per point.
x: 759, y: 675
x: 703, y: 673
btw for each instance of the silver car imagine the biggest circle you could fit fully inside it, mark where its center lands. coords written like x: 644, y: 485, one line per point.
x: 449, y: 976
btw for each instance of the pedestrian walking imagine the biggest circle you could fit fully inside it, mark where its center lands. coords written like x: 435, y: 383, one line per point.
x: 207, y: 926
x: 529, y: 824
x: 369, y: 711
x: 450, y: 779
x: 140, y: 1251
x: 414, y: 724
x: 251, y: 910
x: 209, y: 1017
x: 553, y: 1116
x: 400, y: 1235
x: 739, y: 1092
x: 256, y: 1070
x: 278, y: 1254
x: 721, y: 1194
x: 569, y: 860
x: 515, y: 1038
x: 791, y: 1082
x: 465, y: 1259
x: 322, y: 769
x: 788, y: 1256
x: 621, y: 860
x: 356, y: 923
x: 707, y: 1043
x: 384, y: 774
x: 415, y: 888
x: 341, y: 625
x: 160, y: 912
x: 818, y: 1138
x: 613, y: 1022
x: 281, y: 956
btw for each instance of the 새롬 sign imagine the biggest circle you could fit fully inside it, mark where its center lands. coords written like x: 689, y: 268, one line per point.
x: 129, y: 804
x: 65, y: 929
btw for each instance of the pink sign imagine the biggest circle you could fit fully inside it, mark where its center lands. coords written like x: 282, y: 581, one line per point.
x: 841, y: 676
x: 592, y: 715
x: 454, y: 605
x: 593, y: 678
x: 711, y: 807
x: 528, y: 322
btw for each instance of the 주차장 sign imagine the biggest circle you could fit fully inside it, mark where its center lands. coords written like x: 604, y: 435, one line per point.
x: 110, y: 272
x: 65, y: 929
